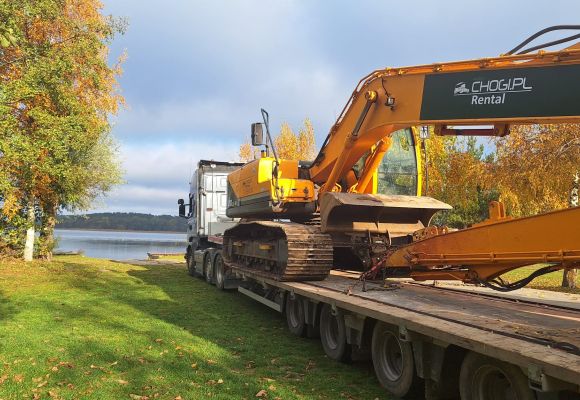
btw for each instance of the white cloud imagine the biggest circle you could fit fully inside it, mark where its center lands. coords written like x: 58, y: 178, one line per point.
x: 157, y: 176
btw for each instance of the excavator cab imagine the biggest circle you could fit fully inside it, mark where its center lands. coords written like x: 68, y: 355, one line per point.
x: 400, y: 170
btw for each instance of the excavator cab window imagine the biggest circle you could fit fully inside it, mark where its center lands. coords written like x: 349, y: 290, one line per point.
x: 397, y: 173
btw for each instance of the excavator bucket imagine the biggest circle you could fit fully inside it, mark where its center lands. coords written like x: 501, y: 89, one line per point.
x: 396, y: 215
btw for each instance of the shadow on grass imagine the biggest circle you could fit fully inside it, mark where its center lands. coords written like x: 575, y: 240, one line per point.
x: 200, y: 341
x: 7, y: 309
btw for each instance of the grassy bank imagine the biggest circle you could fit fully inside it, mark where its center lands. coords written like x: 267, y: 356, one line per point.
x: 551, y: 281
x: 94, y: 329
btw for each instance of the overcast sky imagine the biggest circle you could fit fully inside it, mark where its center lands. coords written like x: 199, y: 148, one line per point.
x: 198, y: 72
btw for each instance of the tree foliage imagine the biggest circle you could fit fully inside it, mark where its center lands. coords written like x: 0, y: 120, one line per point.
x: 123, y: 222
x: 457, y: 171
x: 289, y: 145
x: 534, y: 167
x: 57, y: 93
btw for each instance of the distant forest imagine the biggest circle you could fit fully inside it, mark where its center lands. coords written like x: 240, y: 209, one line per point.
x: 123, y: 222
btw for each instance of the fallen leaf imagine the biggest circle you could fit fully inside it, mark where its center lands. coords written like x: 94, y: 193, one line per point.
x: 211, y: 362
x: 122, y: 382
x: 54, y: 369
x: 17, y: 378
x: 158, y: 340
x: 178, y: 398
x: 114, y: 363
x: 3, y: 379
x: 262, y: 393
x: 194, y: 365
x: 272, y: 387
x: 41, y: 384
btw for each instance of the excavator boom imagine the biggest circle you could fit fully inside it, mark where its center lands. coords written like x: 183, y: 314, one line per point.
x: 519, y: 89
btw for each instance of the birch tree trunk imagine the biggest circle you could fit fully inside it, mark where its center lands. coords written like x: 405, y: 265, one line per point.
x: 30, y: 220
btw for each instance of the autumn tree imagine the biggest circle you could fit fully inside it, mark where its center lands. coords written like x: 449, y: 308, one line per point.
x: 457, y: 174
x: 289, y: 145
x: 534, y: 167
x: 58, y: 92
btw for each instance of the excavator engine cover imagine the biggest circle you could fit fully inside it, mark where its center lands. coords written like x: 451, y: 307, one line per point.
x: 396, y: 215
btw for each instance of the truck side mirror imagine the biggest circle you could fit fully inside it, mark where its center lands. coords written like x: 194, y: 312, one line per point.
x: 181, y: 208
x: 257, y: 134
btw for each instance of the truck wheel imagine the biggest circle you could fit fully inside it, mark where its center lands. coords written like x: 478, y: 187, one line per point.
x: 190, y: 260
x: 295, y: 315
x: 333, y: 334
x: 393, y: 361
x: 485, y: 378
x: 207, y: 269
x: 218, y: 268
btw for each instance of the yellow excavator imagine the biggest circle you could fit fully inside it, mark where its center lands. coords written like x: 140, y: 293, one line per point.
x: 358, y: 205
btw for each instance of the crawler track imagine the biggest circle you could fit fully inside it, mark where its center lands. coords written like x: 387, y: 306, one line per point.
x: 283, y: 251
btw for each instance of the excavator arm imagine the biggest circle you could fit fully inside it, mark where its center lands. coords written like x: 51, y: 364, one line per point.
x: 543, y: 87
x: 478, y: 97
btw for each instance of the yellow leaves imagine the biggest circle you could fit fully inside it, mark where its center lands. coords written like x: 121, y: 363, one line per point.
x: 289, y: 145
x: 246, y: 152
x: 535, y: 166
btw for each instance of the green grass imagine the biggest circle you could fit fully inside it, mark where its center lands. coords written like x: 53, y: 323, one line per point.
x: 551, y: 281
x: 80, y: 328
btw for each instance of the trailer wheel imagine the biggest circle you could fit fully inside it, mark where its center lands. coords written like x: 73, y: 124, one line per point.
x: 295, y: 315
x: 333, y: 334
x: 207, y: 269
x: 218, y: 268
x: 190, y: 261
x: 485, y: 378
x: 393, y: 361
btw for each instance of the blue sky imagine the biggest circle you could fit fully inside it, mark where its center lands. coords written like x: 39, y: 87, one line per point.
x: 198, y: 72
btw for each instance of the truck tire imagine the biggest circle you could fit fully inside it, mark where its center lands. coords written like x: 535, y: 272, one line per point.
x: 393, y: 362
x: 294, y: 311
x: 219, y: 273
x: 207, y: 268
x: 333, y: 334
x: 483, y: 378
x: 190, y: 261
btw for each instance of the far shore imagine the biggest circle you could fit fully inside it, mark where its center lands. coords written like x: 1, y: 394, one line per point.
x: 115, y: 230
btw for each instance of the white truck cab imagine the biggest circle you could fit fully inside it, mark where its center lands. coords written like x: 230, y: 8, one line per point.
x: 206, y: 210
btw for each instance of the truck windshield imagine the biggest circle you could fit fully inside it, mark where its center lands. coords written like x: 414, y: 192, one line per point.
x: 397, y: 173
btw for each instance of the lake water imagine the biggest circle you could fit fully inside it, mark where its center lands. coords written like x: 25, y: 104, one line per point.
x: 119, y: 245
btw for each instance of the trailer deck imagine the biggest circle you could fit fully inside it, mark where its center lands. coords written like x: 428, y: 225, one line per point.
x: 543, y: 339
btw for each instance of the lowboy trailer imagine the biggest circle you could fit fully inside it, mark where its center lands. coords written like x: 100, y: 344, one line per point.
x: 445, y: 342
